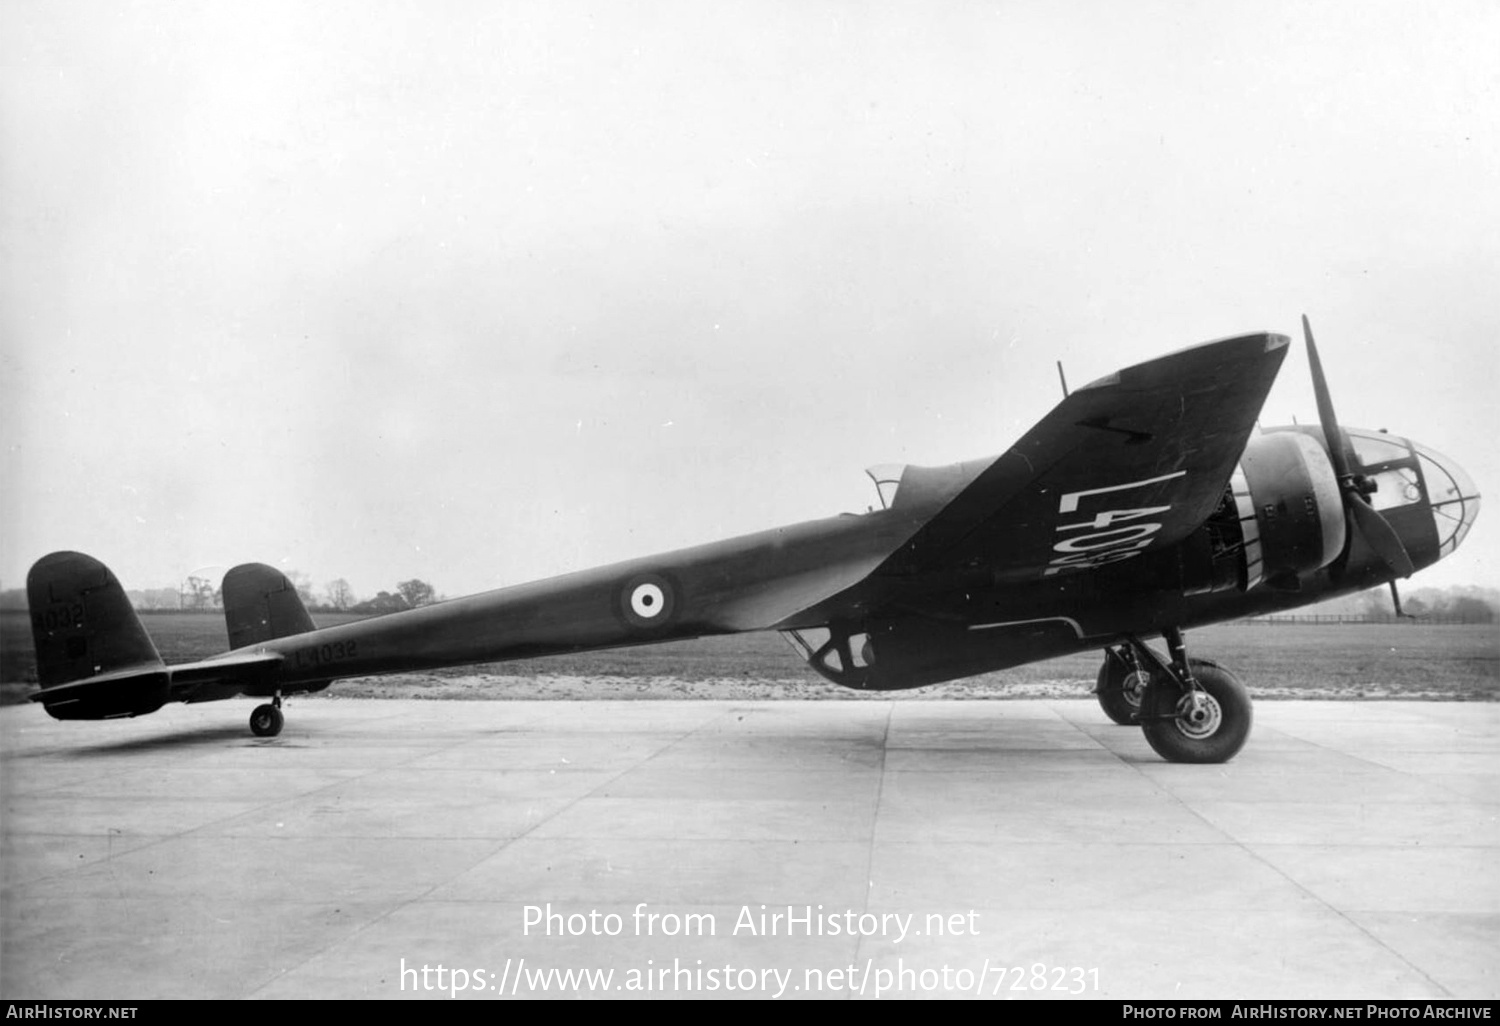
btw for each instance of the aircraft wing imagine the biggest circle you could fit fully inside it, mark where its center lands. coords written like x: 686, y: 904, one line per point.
x: 1132, y: 462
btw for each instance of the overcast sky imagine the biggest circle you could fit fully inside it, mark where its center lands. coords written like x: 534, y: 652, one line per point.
x: 485, y: 292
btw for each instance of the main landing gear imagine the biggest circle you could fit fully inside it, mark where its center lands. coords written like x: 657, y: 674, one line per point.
x: 1191, y: 710
x: 266, y: 720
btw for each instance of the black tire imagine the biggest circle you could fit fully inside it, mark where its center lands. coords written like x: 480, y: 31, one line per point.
x: 266, y: 721
x: 1120, y: 690
x: 1222, y: 733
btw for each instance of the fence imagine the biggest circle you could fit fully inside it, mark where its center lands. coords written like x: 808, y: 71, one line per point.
x: 1280, y: 619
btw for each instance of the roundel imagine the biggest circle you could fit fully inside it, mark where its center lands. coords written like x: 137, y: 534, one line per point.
x: 648, y: 600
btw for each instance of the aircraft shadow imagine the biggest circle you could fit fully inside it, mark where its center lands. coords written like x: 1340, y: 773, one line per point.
x: 174, y: 740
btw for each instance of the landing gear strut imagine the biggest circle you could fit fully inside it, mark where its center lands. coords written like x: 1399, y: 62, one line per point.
x: 266, y: 720
x: 1192, y: 710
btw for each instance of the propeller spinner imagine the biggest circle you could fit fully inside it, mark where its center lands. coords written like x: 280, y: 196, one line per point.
x: 1373, y: 527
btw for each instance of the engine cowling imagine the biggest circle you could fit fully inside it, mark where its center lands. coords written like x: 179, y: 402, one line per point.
x: 1290, y: 508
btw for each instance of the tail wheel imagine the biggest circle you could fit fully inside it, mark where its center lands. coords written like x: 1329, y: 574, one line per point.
x: 1206, y: 725
x: 1121, y: 689
x: 266, y: 721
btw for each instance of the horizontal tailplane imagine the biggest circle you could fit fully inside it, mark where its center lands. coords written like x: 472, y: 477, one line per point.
x: 108, y: 696
x: 94, y: 659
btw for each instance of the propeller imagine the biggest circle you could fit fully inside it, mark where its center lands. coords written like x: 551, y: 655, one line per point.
x: 1373, y: 527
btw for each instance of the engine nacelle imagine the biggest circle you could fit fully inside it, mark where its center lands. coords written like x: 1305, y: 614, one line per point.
x: 1290, y: 508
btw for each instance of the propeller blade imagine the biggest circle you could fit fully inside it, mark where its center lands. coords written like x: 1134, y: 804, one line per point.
x: 1379, y: 533
x: 1373, y: 527
x: 1332, y: 436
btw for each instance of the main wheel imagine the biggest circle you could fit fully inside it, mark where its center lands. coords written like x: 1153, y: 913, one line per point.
x: 266, y: 721
x: 1120, y: 689
x: 1212, y: 729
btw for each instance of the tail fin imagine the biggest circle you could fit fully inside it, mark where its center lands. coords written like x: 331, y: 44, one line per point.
x: 84, y: 628
x: 261, y: 604
x: 82, y: 622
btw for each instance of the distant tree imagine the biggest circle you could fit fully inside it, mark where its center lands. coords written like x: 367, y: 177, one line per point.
x: 156, y: 598
x: 385, y: 602
x: 416, y: 593
x: 1471, y: 610
x: 303, y: 584
x: 200, y: 593
x: 1376, y: 603
x: 340, y: 595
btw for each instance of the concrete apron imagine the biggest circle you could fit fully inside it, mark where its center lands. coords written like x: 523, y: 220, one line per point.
x: 910, y: 848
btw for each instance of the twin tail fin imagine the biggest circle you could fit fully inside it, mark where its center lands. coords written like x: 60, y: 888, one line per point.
x: 95, y: 660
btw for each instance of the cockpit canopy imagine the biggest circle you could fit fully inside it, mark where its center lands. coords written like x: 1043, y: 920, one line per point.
x: 887, y: 478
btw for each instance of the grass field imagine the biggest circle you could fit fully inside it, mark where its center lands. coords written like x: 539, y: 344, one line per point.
x: 1408, y: 660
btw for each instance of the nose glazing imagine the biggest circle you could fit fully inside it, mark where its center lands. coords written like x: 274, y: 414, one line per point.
x: 1451, y: 495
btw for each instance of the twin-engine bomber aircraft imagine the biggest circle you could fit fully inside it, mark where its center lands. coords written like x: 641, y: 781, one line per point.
x: 1144, y: 503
